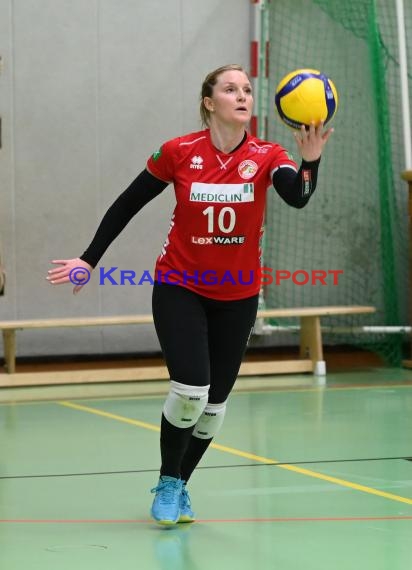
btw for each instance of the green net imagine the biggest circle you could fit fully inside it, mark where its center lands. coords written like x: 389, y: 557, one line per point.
x: 357, y: 222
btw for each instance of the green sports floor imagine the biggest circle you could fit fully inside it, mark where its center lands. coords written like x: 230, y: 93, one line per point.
x: 302, y: 476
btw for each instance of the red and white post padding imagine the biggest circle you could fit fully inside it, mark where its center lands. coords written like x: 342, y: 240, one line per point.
x: 259, y: 74
x: 259, y: 65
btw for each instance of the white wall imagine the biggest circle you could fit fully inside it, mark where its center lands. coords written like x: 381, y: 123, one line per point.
x: 89, y: 90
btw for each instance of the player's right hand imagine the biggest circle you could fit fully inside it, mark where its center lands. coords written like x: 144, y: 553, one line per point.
x: 74, y: 271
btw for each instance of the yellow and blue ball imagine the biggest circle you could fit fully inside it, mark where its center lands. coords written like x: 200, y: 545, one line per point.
x: 306, y: 95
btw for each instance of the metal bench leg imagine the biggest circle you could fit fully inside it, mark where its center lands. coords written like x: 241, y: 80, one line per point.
x: 9, y: 341
x: 311, y: 344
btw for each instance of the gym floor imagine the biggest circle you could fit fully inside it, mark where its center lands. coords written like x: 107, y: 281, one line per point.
x: 302, y: 475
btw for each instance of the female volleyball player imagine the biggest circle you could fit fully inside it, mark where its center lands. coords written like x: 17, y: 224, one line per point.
x: 205, y: 295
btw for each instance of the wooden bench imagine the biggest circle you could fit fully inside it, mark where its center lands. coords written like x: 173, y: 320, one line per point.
x: 310, y: 358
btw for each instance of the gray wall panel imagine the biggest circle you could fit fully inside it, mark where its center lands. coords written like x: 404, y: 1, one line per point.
x: 93, y: 88
x: 7, y: 217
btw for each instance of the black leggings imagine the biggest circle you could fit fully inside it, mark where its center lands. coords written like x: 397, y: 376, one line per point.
x: 203, y: 340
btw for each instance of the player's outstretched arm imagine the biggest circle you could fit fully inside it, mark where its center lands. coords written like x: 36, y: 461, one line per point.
x: 75, y: 271
x: 310, y: 142
x: 78, y: 270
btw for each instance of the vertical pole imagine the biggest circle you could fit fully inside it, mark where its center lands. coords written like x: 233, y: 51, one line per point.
x: 259, y: 65
x: 264, y: 69
x: 407, y: 175
x: 403, y: 70
x: 259, y: 74
x: 406, y: 122
x: 255, y: 7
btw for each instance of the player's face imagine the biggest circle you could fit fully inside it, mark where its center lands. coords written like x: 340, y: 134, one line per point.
x: 232, y: 99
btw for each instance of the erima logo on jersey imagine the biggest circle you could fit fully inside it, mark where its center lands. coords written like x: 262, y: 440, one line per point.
x: 197, y: 163
x: 222, y: 193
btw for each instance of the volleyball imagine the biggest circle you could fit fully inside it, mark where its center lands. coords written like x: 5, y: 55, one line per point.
x: 306, y: 95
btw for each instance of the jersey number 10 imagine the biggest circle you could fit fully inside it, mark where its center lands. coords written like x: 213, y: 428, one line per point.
x: 226, y: 219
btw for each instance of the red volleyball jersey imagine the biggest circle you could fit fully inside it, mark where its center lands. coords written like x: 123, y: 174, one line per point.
x: 214, y: 242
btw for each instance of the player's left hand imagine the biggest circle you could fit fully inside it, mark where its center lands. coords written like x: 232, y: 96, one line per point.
x: 311, y: 141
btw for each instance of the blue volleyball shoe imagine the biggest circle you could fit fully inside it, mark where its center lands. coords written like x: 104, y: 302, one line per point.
x: 166, y: 504
x: 186, y: 513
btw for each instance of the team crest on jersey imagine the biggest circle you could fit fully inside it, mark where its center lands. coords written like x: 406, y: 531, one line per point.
x: 247, y: 169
